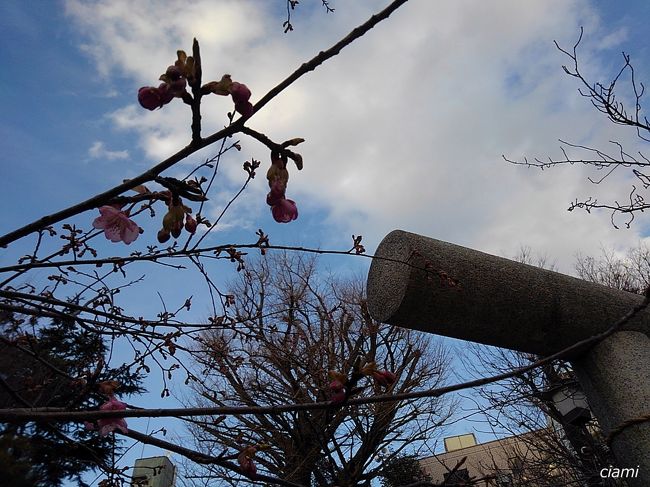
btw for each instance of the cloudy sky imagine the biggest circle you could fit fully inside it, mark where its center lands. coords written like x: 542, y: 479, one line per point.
x: 404, y: 129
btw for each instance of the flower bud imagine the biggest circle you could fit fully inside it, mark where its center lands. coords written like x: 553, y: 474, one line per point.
x: 174, y: 217
x: 174, y: 72
x: 190, y: 224
x: 149, y: 97
x: 245, y: 108
x: 277, y: 192
x: 163, y: 236
x: 277, y: 173
x: 166, y: 94
x: 239, y: 92
x: 245, y: 460
x: 384, y: 378
x: 177, y: 87
x: 338, y: 397
x: 336, y: 386
x: 177, y: 229
x: 285, y: 211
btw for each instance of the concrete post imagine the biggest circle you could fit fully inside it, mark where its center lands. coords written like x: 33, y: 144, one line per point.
x: 616, y: 374
x: 521, y: 307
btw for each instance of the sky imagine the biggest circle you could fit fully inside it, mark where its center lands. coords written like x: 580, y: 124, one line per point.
x: 405, y: 128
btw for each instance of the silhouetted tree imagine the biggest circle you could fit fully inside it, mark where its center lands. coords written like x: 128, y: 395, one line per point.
x: 58, y: 365
x: 293, y: 327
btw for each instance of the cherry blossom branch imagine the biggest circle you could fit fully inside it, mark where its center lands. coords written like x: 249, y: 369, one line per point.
x: 199, y: 143
x: 101, y: 198
x: 331, y: 52
x: 603, y: 98
x: 189, y: 253
x: 60, y: 414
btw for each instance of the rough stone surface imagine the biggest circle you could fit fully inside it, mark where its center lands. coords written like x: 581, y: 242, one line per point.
x: 615, y: 376
x: 500, y: 302
x: 521, y: 307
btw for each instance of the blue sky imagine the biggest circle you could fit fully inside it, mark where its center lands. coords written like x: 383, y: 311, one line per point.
x: 404, y: 129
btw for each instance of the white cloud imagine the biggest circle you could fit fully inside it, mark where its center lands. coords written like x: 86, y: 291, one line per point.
x: 406, y: 127
x: 99, y: 151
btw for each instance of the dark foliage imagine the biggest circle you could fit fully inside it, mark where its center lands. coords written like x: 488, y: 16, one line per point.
x: 58, y: 365
x: 403, y: 470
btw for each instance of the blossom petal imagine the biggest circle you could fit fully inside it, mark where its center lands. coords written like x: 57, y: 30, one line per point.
x: 117, y: 226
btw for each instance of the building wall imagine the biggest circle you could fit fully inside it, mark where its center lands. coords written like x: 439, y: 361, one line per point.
x: 153, y: 472
x: 495, y: 462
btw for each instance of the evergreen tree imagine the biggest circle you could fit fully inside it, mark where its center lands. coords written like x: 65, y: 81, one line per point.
x: 403, y: 470
x: 58, y: 365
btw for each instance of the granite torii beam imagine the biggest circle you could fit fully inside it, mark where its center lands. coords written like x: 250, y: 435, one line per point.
x: 521, y: 307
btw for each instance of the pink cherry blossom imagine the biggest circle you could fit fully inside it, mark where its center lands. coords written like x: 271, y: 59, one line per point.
x: 108, y: 425
x: 285, y: 211
x: 117, y: 226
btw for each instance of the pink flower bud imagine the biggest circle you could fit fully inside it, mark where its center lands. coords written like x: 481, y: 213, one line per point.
x: 285, y: 211
x: 163, y: 236
x: 278, y: 188
x: 174, y: 72
x: 190, y: 224
x: 336, y: 386
x: 166, y: 94
x: 177, y: 229
x: 239, y: 92
x: 384, y: 378
x: 338, y: 397
x: 149, y: 97
x: 245, y: 108
x: 245, y: 460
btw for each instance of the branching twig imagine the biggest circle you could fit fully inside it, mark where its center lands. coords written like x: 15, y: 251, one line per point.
x: 60, y: 415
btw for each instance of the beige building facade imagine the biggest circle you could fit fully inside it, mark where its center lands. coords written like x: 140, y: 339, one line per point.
x: 498, y: 463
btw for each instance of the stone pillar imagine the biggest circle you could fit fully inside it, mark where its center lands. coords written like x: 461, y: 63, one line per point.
x: 500, y: 302
x: 615, y: 376
x: 512, y: 305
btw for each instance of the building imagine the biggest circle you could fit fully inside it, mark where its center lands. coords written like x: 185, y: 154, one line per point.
x: 153, y: 472
x: 498, y: 463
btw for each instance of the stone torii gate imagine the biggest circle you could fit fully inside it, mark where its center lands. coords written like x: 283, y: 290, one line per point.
x: 521, y: 307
